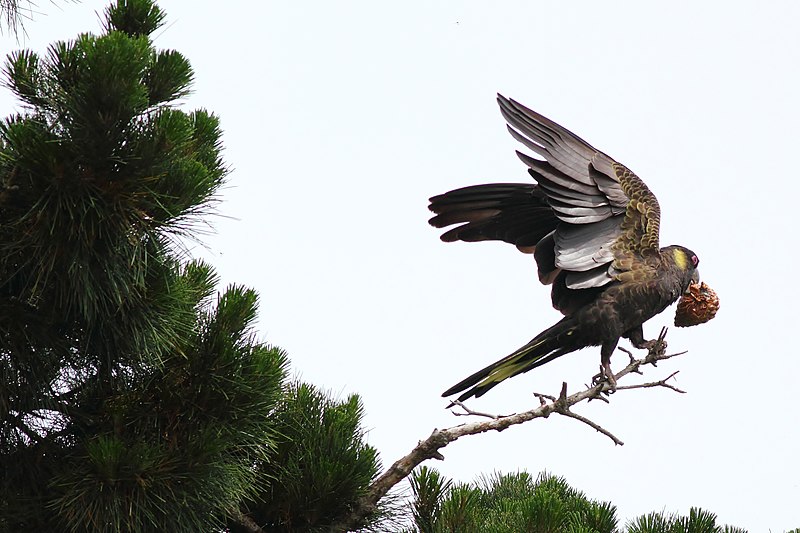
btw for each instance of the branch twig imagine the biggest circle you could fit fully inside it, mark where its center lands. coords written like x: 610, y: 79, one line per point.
x: 594, y: 425
x: 660, y: 383
x: 468, y: 411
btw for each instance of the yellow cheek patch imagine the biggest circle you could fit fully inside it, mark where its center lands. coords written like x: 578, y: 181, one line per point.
x: 681, y: 259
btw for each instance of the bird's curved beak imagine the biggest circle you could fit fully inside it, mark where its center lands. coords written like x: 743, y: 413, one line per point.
x: 695, y: 280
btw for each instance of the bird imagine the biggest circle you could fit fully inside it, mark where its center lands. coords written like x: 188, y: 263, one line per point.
x: 592, y: 226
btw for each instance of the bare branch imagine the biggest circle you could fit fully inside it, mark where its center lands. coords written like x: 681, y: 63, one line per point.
x: 661, y: 383
x: 429, y: 448
x: 627, y: 351
x: 594, y: 425
x: 543, y: 397
x: 562, y: 408
x: 468, y: 411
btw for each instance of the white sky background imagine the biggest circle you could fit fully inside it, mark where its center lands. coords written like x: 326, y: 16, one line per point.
x: 342, y: 118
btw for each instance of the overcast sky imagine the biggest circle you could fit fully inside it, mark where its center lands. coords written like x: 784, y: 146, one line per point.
x: 342, y: 118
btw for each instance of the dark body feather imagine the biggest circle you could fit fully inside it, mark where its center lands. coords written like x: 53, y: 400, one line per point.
x: 592, y: 226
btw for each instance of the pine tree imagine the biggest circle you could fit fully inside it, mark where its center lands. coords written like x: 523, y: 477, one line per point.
x: 505, y: 503
x: 320, y: 465
x: 521, y: 504
x: 132, y: 398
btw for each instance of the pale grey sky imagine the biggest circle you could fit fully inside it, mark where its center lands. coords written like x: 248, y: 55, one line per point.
x: 342, y: 118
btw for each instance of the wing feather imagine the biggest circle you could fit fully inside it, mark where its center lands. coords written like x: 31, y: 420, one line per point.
x: 596, y: 277
x: 592, y: 174
x: 588, y: 220
x: 566, y: 153
x: 583, y: 247
x: 510, y: 212
x: 559, y: 177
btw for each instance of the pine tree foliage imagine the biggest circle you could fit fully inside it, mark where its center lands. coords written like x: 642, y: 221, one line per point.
x: 130, y: 400
x: 188, y: 431
x: 96, y: 175
x: 321, y: 463
x: 13, y: 13
x: 506, y: 503
x: 428, y: 488
x: 697, y: 521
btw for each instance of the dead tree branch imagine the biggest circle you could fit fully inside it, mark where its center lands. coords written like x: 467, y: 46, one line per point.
x: 429, y: 448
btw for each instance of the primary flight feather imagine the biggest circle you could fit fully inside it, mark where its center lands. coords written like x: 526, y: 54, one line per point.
x: 592, y: 226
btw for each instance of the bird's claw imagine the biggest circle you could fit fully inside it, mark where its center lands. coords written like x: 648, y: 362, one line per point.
x: 656, y: 345
x: 651, y: 345
x: 607, y: 376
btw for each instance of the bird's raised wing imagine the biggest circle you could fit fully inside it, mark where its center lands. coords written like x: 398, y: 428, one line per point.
x: 589, y: 220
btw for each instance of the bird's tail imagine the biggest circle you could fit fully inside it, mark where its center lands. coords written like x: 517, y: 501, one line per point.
x: 546, y: 346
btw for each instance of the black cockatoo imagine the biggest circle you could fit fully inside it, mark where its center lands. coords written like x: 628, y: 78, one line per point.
x: 592, y: 226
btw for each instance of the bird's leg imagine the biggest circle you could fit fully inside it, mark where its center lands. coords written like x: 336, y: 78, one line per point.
x: 605, y: 365
x: 636, y: 336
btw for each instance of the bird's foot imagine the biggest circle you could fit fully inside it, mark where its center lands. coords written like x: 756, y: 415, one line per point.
x: 605, y: 375
x: 656, y: 345
x: 652, y: 345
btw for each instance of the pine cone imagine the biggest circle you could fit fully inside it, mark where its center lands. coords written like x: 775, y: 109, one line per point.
x: 698, y: 306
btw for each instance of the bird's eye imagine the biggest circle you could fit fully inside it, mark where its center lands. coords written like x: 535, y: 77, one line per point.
x: 695, y: 260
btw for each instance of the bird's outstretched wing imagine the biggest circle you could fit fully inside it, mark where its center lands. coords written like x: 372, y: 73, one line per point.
x: 589, y: 220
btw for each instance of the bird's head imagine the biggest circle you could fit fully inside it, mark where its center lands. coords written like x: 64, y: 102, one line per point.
x: 685, y: 263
